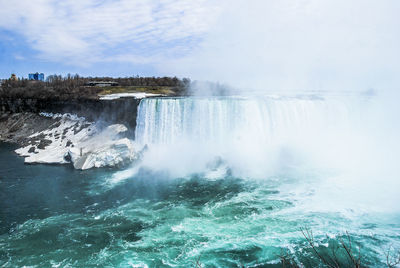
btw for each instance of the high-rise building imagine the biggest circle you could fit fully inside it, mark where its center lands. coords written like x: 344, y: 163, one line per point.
x: 36, y: 76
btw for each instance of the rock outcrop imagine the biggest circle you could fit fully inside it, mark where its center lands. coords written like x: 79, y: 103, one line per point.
x: 66, y: 138
x: 106, y: 149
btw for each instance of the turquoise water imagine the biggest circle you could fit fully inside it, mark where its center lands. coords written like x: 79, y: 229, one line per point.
x: 55, y: 216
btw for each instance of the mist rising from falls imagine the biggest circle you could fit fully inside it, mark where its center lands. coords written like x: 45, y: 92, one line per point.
x: 339, y: 152
x: 254, y: 135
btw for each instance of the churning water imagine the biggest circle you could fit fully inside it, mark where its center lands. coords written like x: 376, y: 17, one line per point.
x: 223, y: 181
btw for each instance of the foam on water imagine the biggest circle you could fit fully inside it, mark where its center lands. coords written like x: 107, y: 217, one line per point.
x: 227, y: 196
x: 341, y: 137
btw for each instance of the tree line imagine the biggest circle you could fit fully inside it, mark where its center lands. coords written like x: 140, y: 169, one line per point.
x: 75, y: 86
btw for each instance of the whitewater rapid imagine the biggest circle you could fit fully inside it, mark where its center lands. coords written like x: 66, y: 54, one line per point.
x: 347, y: 141
x: 225, y: 182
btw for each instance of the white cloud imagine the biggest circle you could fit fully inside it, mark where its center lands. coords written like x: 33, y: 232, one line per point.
x: 92, y: 31
x: 269, y: 44
x: 19, y: 57
x: 305, y: 44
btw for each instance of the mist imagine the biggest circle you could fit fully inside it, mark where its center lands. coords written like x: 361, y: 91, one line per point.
x: 303, y: 45
x: 315, y: 47
x: 334, y: 66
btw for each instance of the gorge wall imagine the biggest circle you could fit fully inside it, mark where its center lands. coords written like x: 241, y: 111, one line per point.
x: 110, y: 111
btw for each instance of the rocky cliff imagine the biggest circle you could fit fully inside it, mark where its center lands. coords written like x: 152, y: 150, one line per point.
x: 87, y: 133
x: 116, y: 111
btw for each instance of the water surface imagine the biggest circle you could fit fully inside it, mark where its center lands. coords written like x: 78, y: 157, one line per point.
x: 55, y: 216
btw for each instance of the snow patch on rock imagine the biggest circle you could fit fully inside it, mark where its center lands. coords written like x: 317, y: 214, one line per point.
x: 136, y: 95
x: 103, y: 150
x: 85, y: 144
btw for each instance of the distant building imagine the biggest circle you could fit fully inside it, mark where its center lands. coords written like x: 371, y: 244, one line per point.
x: 36, y: 76
x: 101, y: 83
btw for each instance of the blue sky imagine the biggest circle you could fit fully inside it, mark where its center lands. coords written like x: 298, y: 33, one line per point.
x: 273, y: 44
x: 18, y: 56
x: 116, y: 38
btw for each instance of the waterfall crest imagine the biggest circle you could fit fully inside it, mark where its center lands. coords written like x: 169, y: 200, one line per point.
x: 253, y: 135
x: 222, y: 120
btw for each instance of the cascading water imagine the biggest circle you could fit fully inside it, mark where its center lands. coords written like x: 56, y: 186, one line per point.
x: 312, y: 135
x: 225, y: 182
x: 203, y: 120
x: 253, y: 135
x: 318, y: 154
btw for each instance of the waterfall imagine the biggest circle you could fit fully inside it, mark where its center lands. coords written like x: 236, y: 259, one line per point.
x: 251, y: 134
x: 218, y: 120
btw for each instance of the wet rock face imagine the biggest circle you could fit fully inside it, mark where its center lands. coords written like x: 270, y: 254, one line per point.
x: 117, y: 111
x: 43, y: 144
x: 49, y: 144
x: 18, y: 127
